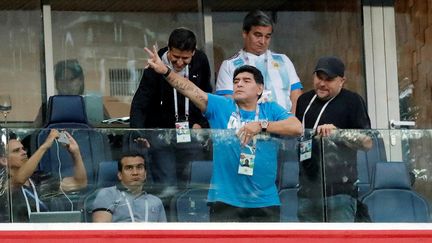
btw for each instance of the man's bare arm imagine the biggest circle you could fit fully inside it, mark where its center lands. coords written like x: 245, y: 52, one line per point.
x: 183, y: 85
x: 101, y: 217
x: 295, y: 94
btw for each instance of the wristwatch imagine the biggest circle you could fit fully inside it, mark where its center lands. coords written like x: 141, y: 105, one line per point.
x: 165, y: 75
x: 264, y: 124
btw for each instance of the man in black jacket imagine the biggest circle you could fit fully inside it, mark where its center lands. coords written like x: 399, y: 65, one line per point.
x: 155, y: 105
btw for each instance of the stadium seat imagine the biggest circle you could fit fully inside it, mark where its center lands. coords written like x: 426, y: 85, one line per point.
x: 67, y: 112
x: 190, y: 205
x: 392, y: 198
x: 366, y: 161
x: 289, y: 186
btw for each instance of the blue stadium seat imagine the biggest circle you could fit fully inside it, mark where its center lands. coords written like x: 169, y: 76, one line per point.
x: 106, y: 177
x: 67, y: 112
x: 392, y: 198
x: 289, y: 186
x: 107, y: 174
x: 366, y: 161
x: 190, y: 205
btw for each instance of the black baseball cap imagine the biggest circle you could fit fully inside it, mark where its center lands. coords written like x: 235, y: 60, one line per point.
x: 330, y: 65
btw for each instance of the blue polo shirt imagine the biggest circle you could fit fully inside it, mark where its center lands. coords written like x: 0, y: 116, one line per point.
x: 227, y: 185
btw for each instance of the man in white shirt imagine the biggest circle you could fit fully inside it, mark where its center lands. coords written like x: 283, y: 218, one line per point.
x: 281, y: 82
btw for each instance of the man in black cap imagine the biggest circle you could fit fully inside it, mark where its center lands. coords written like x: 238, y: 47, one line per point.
x: 326, y: 108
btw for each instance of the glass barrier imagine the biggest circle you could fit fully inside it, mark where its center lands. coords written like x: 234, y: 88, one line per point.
x: 376, y: 176
x: 352, y: 175
x: 4, y: 182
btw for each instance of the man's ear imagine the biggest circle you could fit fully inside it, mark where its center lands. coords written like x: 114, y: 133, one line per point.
x: 260, y: 89
x: 119, y: 175
x: 343, y: 79
x: 244, y: 34
x: 3, y: 161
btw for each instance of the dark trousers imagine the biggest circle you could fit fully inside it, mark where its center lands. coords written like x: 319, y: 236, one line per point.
x: 222, y: 212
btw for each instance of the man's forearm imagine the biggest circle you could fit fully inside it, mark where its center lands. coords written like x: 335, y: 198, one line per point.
x: 188, y: 89
x: 28, y: 168
x: 287, y: 127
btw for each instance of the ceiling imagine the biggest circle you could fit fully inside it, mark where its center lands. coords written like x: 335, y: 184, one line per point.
x: 182, y: 5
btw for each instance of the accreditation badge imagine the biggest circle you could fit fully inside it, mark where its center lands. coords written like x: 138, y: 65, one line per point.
x: 305, y: 149
x: 183, y: 132
x: 247, y: 161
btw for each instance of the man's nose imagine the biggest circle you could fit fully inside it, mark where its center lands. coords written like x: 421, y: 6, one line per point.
x: 179, y: 62
x: 321, y: 82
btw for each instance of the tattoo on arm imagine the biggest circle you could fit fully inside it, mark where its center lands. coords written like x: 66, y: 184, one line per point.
x: 187, y: 87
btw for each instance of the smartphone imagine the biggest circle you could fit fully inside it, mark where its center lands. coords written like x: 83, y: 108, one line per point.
x: 63, y: 138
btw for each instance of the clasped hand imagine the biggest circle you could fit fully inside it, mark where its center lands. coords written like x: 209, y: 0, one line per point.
x: 248, y: 131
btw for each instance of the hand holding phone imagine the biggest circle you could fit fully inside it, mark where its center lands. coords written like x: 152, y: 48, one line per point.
x: 63, y: 138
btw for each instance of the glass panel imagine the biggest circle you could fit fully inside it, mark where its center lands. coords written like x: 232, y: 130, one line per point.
x: 100, y: 149
x: 311, y: 207
x: 414, y: 42
x: 107, y: 48
x: 364, y: 185
x: 4, y: 181
x: 304, y: 31
x: 353, y: 176
x: 20, y: 59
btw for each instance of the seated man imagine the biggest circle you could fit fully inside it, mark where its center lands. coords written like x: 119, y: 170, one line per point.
x: 127, y: 201
x: 24, y: 190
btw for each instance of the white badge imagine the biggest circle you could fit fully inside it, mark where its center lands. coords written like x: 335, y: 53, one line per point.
x: 305, y: 149
x: 247, y: 161
x: 183, y: 132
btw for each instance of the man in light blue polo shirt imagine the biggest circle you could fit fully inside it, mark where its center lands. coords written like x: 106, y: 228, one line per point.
x: 243, y: 185
x: 127, y: 201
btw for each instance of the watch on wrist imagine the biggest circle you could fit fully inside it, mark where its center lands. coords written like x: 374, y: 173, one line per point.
x: 165, y: 75
x: 264, y: 124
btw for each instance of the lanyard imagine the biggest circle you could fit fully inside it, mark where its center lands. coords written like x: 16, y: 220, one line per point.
x: 34, y: 195
x: 266, y: 62
x: 319, y: 115
x: 185, y: 75
x: 131, y: 214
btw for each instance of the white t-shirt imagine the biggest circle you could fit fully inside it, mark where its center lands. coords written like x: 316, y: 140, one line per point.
x: 278, y: 71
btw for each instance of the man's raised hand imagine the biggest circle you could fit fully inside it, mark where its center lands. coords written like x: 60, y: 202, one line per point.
x: 155, y: 62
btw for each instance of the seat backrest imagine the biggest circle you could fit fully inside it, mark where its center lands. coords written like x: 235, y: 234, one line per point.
x: 67, y: 112
x: 289, y: 177
x: 94, y: 147
x: 190, y: 206
x: 366, y: 161
x: 288, y: 188
x: 107, y: 174
x: 392, y: 198
x: 200, y: 173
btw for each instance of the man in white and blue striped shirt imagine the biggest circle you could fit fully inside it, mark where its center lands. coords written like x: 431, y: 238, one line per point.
x: 281, y: 82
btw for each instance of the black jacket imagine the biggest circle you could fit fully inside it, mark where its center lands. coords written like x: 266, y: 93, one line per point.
x: 153, y: 102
